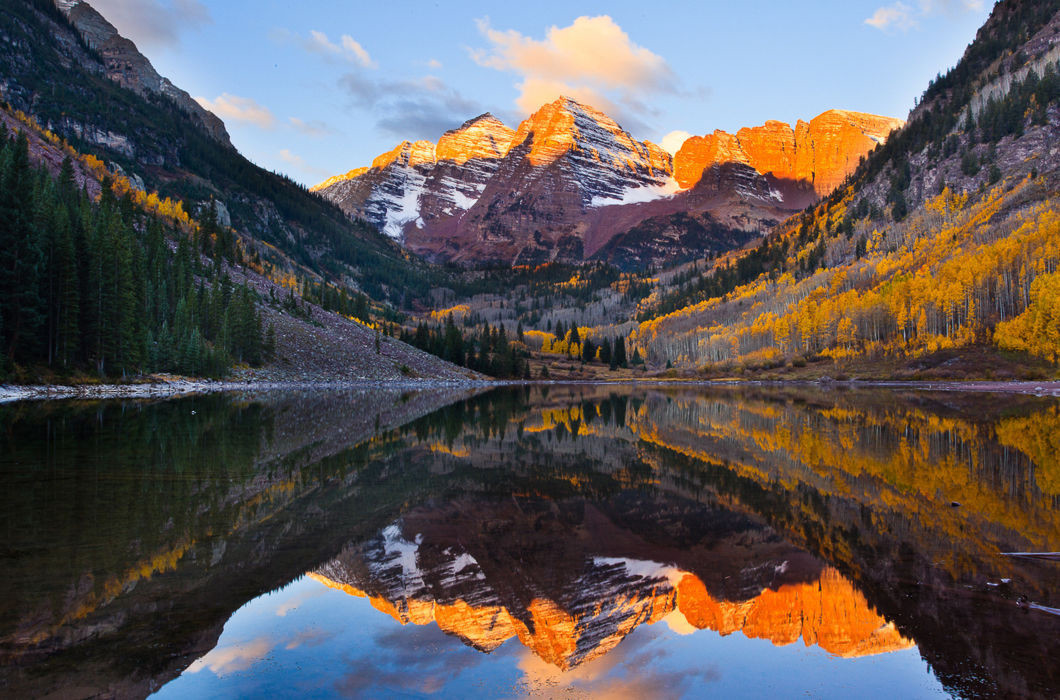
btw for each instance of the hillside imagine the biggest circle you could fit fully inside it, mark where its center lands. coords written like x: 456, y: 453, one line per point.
x: 100, y: 279
x: 941, y: 248
x: 91, y: 87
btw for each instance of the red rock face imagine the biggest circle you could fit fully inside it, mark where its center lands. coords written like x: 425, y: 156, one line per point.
x: 822, y: 152
x: 482, y: 137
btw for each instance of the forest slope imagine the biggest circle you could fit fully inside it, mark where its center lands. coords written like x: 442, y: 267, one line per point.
x: 947, y: 238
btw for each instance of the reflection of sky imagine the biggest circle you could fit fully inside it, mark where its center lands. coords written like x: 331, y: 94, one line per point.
x: 307, y: 640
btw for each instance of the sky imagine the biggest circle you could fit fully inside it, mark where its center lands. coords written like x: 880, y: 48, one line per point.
x: 319, y: 87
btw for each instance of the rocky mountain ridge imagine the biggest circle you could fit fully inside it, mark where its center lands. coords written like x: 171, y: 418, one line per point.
x: 570, y: 184
x: 821, y: 152
x: 129, y: 68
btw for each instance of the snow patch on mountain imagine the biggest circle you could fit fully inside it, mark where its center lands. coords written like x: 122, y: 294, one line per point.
x: 404, y: 208
x: 638, y: 195
x: 404, y: 552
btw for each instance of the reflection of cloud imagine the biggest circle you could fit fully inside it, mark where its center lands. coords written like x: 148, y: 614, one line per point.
x: 238, y: 657
x: 153, y: 22
x: 293, y: 602
x: 904, y: 17
x: 240, y: 109
x: 420, y: 108
x: 677, y: 623
x: 622, y: 673
x: 592, y: 60
x: 310, y: 638
x: 407, y: 667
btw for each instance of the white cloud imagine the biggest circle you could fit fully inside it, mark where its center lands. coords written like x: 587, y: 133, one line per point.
x: 349, y: 50
x: 153, y: 22
x: 592, y: 59
x: 239, y: 109
x: 418, y: 108
x: 358, y: 52
x: 904, y: 17
x: 896, y: 16
x: 434, y: 64
x: 673, y: 140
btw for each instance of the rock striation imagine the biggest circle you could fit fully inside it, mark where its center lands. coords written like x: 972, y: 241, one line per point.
x: 822, y: 152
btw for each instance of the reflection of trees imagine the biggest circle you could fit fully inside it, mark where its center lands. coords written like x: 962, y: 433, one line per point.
x: 866, y: 482
x: 868, y: 487
x: 118, y: 512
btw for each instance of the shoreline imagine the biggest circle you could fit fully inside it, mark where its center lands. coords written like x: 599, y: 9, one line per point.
x: 10, y: 393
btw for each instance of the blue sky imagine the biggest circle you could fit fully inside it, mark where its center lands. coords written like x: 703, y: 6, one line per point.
x: 319, y: 87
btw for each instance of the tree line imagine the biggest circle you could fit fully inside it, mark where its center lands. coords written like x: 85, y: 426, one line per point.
x: 491, y: 352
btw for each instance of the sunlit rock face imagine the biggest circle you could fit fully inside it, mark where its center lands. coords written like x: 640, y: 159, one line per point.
x: 574, y: 153
x: 492, y: 581
x: 422, y: 181
x: 829, y: 613
x: 603, y: 157
x: 822, y: 152
x: 484, y: 136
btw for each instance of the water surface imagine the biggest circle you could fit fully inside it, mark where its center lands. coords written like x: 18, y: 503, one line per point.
x: 545, y: 541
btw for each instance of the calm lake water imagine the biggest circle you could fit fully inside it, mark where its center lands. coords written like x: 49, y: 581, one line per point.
x: 560, y: 541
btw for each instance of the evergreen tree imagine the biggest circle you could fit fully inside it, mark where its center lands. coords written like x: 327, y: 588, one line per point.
x: 20, y: 253
x: 588, y: 351
x: 620, y: 352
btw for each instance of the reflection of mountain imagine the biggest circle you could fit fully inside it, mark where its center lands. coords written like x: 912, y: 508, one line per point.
x: 562, y: 586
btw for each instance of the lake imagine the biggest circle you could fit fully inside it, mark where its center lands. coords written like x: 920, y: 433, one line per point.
x: 543, y: 541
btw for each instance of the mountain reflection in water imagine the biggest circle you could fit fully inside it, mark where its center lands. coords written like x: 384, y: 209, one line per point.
x: 565, y: 518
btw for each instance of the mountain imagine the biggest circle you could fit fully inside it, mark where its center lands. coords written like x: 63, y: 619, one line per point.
x: 121, y: 190
x: 570, y: 184
x: 937, y: 258
x: 90, y: 86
